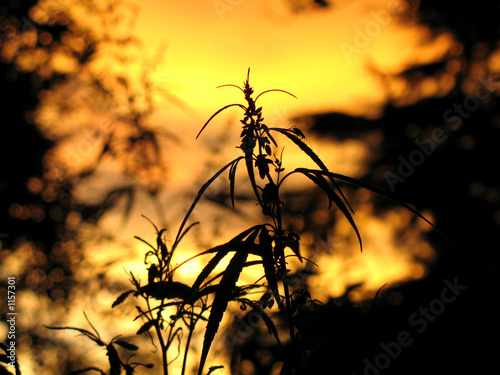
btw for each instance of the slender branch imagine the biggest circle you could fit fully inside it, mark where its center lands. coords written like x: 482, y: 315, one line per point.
x: 188, y: 342
x: 282, y: 264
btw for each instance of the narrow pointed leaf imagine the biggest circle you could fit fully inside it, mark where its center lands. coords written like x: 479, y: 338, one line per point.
x: 270, y: 326
x: 82, y: 331
x: 240, y: 237
x: 294, y: 244
x: 166, y: 290
x: 196, y: 199
x: 263, y: 92
x: 382, y: 193
x: 223, y: 251
x: 213, y: 368
x: 266, y: 248
x: 122, y: 297
x: 147, y: 243
x: 127, y: 345
x: 252, y: 236
x: 251, y: 175
x: 221, y: 301
x: 146, y: 326
x: 219, y: 111
x: 376, y: 296
x: 390, y: 197
x: 316, y: 177
x: 304, y: 147
x: 230, y: 85
x: 232, y: 177
x: 78, y: 372
x: 183, y: 234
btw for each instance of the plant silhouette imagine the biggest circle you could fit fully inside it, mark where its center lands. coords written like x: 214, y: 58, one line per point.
x: 272, y: 245
x: 115, y: 362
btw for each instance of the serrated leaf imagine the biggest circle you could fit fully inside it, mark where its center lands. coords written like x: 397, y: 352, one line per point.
x: 146, y: 326
x: 251, y: 175
x: 386, y: 195
x: 126, y: 345
x: 270, y: 326
x: 223, y: 250
x: 166, y: 290
x: 268, y: 150
x: 221, y: 300
x: 390, y: 197
x: 294, y: 244
x: 317, y: 177
x: 262, y: 164
x: 266, y: 248
x: 122, y: 297
x: 298, y: 132
x: 304, y: 147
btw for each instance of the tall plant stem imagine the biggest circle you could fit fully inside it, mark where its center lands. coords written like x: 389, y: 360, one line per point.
x: 281, y: 247
x: 188, y: 342
x: 164, y: 349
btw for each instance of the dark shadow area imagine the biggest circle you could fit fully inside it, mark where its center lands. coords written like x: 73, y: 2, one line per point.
x: 41, y: 215
x: 437, y: 153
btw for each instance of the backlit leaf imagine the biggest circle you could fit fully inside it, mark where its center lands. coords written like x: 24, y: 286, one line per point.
x: 122, y: 297
x: 219, y: 111
x: 146, y: 326
x: 221, y: 300
x: 180, y: 233
x: 304, y: 147
x: 126, y: 345
x: 166, y: 290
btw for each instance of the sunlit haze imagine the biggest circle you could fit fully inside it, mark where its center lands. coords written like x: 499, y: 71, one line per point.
x: 325, y: 57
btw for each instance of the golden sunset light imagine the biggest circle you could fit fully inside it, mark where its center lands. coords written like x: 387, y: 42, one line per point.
x: 244, y: 187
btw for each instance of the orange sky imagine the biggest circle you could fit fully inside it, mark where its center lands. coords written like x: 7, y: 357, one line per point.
x: 319, y: 56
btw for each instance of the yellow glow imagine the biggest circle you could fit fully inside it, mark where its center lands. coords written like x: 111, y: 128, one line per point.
x: 207, y: 47
x: 318, y: 56
x: 384, y: 260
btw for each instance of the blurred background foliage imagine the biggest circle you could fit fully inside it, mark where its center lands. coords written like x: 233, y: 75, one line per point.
x: 56, y: 92
x: 71, y: 65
